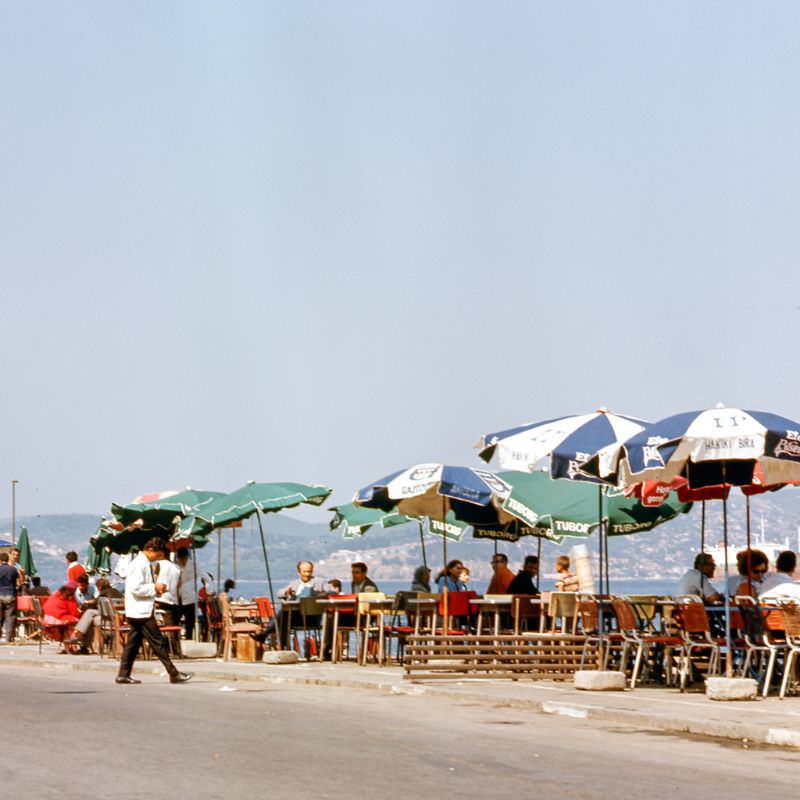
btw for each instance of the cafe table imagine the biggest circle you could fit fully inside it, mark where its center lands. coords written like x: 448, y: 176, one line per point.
x: 497, y: 605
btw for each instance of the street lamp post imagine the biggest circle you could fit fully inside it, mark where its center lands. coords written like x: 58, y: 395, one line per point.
x: 14, y: 511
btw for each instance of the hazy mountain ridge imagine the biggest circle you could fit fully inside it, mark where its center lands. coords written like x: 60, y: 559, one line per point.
x: 394, y: 553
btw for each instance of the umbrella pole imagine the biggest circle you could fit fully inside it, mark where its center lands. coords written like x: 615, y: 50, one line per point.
x: 600, y: 622
x: 538, y: 558
x: 607, y: 560
x: 444, y: 568
x: 219, y: 555
x: 749, y: 556
x: 233, y: 538
x: 196, y: 632
x: 422, y: 543
x: 728, y: 660
x: 266, y: 562
x: 703, y: 527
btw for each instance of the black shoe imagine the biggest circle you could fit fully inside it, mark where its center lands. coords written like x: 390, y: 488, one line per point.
x: 126, y: 679
x: 181, y: 677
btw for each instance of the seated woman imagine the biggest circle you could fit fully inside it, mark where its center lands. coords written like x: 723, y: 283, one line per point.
x: 752, y: 565
x: 61, y: 612
x: 450, y: 576
x: 422, y: 580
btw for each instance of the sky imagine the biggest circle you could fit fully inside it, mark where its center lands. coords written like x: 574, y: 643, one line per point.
x: 321, y: 242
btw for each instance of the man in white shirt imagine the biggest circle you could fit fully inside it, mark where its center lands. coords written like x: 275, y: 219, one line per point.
x: 141, y: 591
x: 167, y: 604
x: 785, y: 565
x: 697, y: 581
x: 187, y: 594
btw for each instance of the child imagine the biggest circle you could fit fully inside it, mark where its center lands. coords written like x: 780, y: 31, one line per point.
x: 566, y: 581
x: 334, y: 586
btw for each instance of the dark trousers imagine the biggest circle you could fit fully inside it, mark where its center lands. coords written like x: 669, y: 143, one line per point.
x: 141, y: 629
x: 188, y: 612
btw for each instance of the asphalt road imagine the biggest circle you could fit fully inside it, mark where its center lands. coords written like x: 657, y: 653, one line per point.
x: 80, y: 735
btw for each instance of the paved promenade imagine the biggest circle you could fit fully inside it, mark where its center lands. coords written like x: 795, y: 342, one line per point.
x: 762, y: 722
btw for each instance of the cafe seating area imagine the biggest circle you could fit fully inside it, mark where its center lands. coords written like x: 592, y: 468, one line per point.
x: 675, y: 642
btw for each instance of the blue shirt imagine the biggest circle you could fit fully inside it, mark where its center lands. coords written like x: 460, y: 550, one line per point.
x: 8, y: 580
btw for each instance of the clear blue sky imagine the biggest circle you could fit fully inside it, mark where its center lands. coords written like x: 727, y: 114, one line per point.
x: 320, y: 241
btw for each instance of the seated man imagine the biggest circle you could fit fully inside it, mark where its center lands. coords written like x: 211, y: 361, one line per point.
x: 523, y: 582
x: 781, y: 584
x: 360, y: 582
x: 37, y: 590
x: 697, y: 581
x: 85, y: 591
x: 305, y: 585
x: 502, y: 577
x: 785, y: 565
x: 83, y: 634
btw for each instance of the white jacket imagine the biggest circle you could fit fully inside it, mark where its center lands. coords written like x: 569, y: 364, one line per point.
x: 140, y: 589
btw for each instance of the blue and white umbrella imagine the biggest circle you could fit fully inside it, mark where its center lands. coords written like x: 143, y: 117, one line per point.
x: 568, y: 441
x: 720, y: 445
x: 425, y: 490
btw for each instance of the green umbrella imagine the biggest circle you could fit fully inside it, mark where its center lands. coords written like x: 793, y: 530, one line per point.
x: 25, y: 555
x: 569, y: 508
x: 121, y: 541
x: 252, y: 498
x: 162, y: 508
x: 357, y: 520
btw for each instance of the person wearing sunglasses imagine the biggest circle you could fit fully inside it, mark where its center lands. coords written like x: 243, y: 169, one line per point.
x: 752, y: 566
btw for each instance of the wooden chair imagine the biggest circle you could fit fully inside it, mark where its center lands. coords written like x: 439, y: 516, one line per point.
x: 370, y: 627
x: 232, y: 624
x: 587, y: 613
x: 562, y: 610
x: 526, y: 613
x: 765, y: 640
x: 642, y: 644
x: 791, y: 625
x: 699, y: 648
x: 341, y: 620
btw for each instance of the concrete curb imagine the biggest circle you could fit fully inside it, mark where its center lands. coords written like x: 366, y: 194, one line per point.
x: 741, y: 732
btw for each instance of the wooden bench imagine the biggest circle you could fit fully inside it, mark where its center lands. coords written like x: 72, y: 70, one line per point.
x: 553, y: 656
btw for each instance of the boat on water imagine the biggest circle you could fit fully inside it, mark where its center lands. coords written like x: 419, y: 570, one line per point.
x: 759, y: 542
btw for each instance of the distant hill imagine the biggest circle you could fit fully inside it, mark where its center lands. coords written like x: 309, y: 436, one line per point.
x: 394, y: 553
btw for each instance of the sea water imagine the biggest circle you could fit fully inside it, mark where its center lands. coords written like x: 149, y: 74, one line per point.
x: 624, y: 586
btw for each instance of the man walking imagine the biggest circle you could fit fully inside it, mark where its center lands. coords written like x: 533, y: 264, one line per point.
x: 141, y: 591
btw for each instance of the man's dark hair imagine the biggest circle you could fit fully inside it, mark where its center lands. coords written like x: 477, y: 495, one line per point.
x: 701, y: 559
x: 4, y: 557
x: 532, y: 560
x: 230, y: 583
x: 82, y: 578
x: 36, y: 580
x: 155, y: 544
x: 182, y: 552
x: 786, y: 561
x: 502, y: 557
x: 360, y: 565
x: 71, y: 556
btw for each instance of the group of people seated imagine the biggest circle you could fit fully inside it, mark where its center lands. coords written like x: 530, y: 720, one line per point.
x: 751, y: 579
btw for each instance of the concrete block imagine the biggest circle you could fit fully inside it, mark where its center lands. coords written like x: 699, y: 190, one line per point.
x: 280, y: 657
x: 192, y: 649
x: 599, y: 680
x: 731, y: 689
